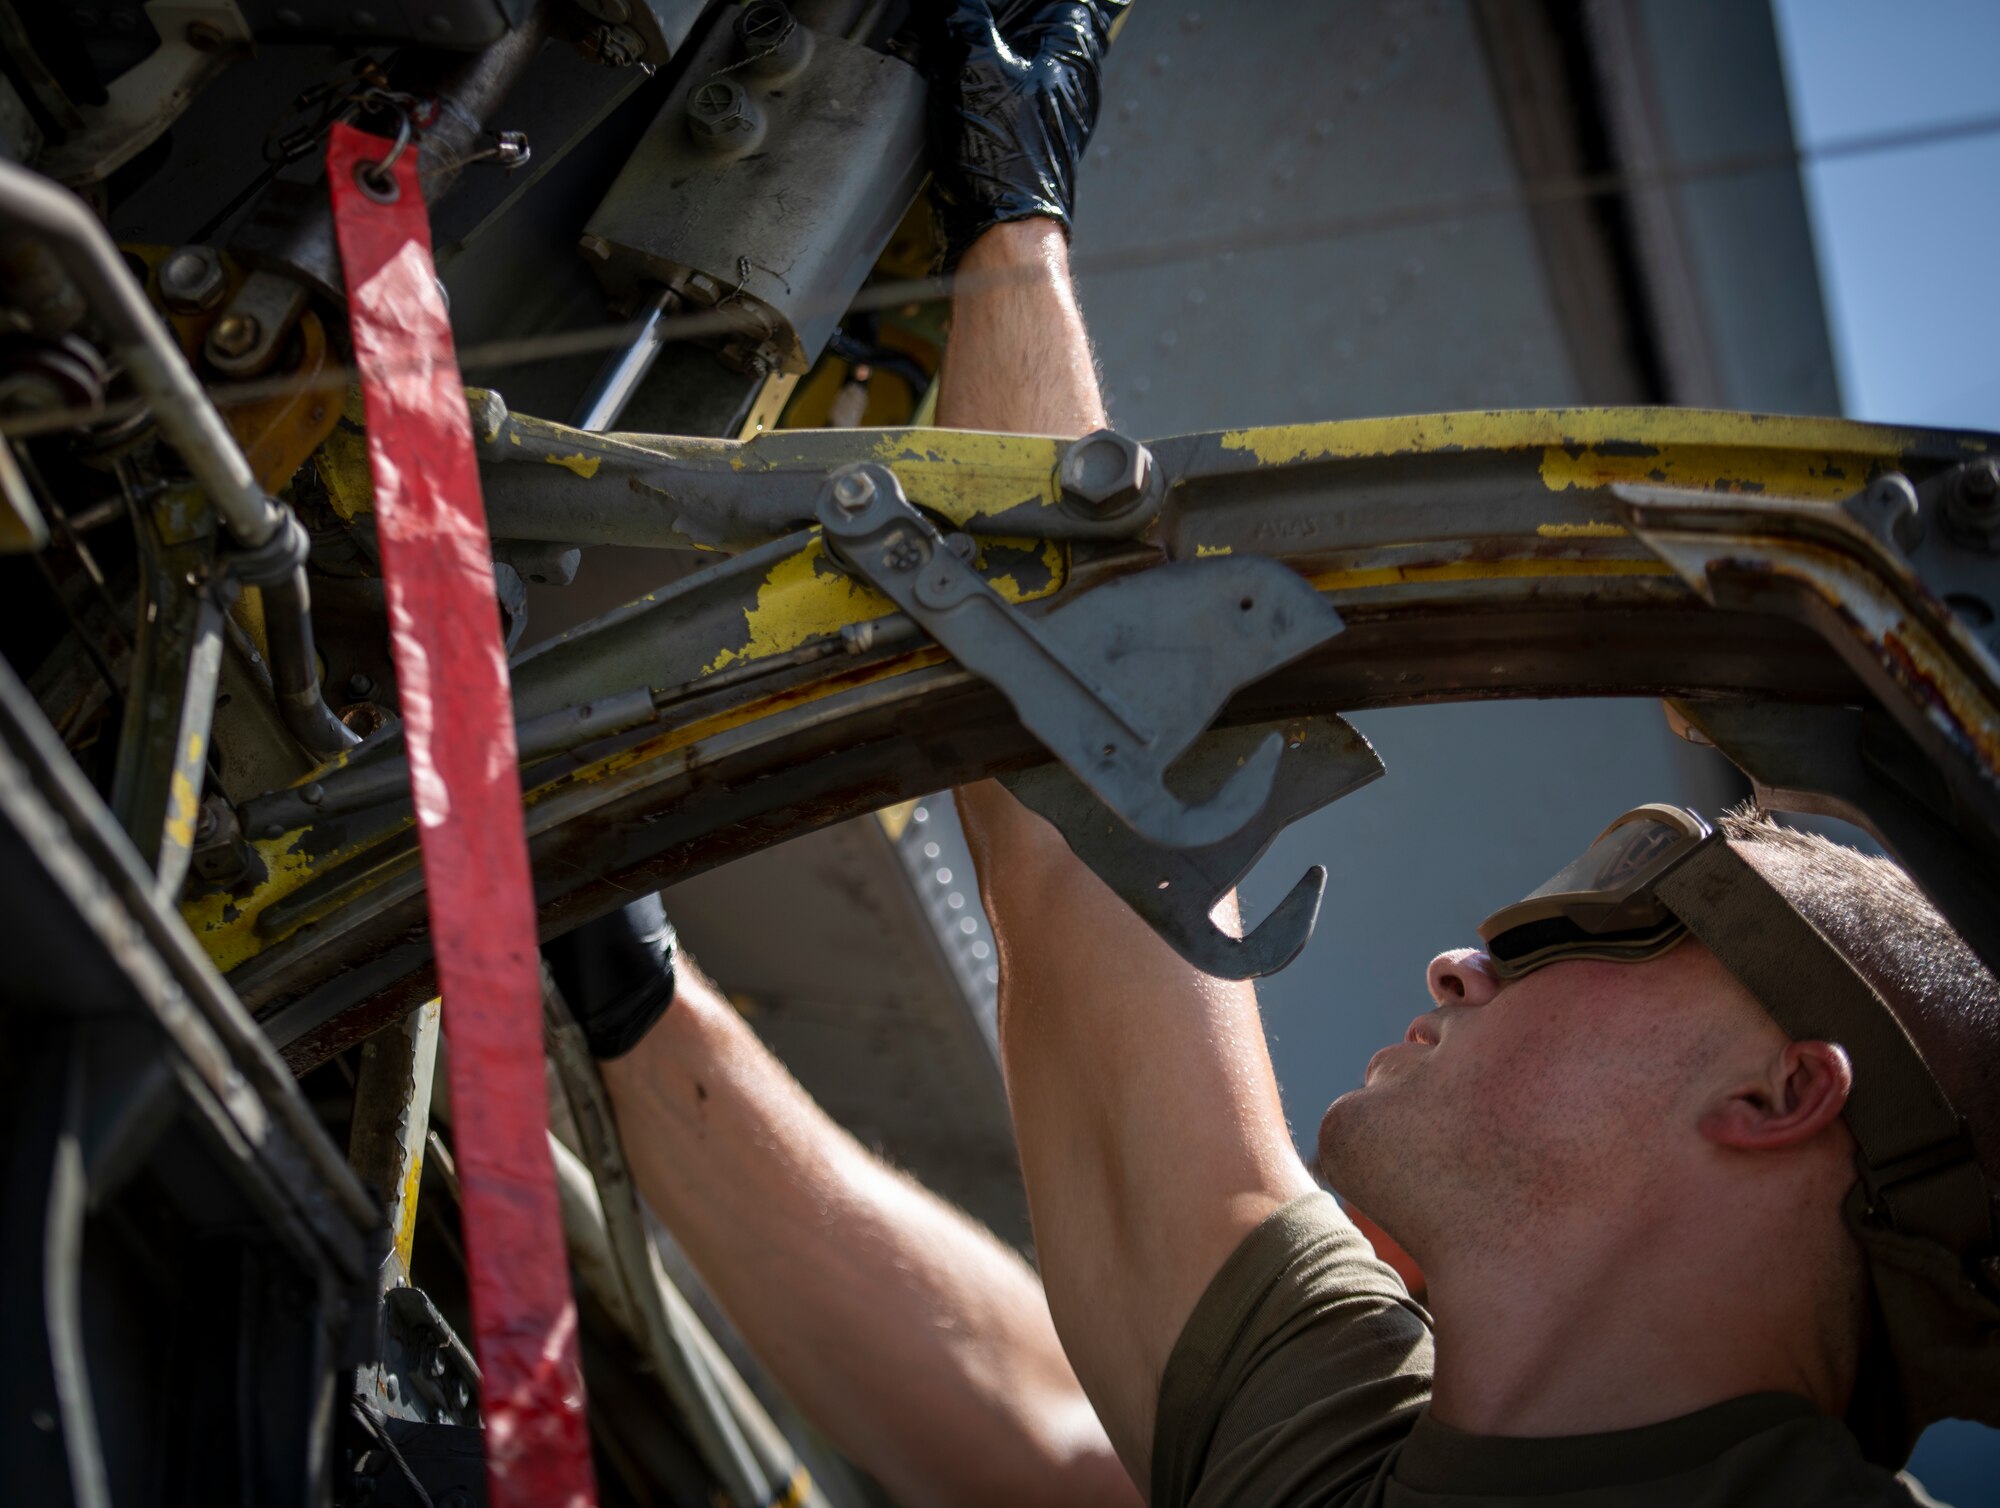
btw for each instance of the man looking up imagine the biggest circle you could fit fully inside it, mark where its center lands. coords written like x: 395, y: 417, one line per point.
x: 1623, y: 1178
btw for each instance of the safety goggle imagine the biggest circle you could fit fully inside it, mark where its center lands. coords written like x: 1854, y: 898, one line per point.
x: 1925, y: 1215
x: 1604, y: 904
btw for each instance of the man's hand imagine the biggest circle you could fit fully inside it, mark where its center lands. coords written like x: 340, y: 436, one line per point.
x: 1013, y: 100
x: 616, y: 974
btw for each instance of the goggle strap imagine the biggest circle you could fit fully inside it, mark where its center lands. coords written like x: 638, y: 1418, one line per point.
x: 1917, y: 1163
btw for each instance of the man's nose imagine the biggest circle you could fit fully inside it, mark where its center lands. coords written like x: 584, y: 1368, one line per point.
x: 1463, y: 976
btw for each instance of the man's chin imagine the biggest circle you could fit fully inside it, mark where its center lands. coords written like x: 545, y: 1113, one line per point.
x: 1345, y: 1130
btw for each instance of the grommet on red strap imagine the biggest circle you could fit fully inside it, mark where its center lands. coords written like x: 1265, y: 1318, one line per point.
x: 451, y: 670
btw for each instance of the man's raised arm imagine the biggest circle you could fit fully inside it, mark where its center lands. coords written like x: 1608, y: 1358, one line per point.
x: 1152, y: 1139
x: 910, y: 1335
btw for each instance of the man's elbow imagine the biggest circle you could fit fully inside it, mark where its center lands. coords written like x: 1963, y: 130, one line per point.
x: 1084, y: 1468
x: 1099, y: 1478
x: 1056, y: 1456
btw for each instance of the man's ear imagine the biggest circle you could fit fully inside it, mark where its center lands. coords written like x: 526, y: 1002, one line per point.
x: 1804, y: 1090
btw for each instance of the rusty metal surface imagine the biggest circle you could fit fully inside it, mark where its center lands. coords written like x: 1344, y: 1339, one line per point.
x: 1472, y: 556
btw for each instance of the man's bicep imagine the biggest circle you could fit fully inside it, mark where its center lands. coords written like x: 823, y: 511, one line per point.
x: 1151, y: 1134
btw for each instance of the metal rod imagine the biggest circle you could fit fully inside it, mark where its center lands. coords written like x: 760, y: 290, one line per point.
x: 392, y: 1123
x: 157, y: 368
x: 62, y: 1294
x: 295, y: 668
x: 662, y: 1332
x: 26, y: 732
x: 590, y: 1251
x: 626, y: 368
x: 192, y: 426
x: 384, y: 776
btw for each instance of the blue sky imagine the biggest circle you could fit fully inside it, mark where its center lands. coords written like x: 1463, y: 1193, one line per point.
x: 1907, y: 238
x: 1911, y: 274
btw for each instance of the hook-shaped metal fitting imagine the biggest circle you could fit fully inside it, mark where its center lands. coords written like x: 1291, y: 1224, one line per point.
x: 1173, y: 890
x: 1116, y: 683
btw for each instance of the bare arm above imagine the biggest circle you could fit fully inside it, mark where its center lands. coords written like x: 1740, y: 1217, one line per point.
x: 1151, y: 1135
x: 1018, y: 360
x: 918, y: 1342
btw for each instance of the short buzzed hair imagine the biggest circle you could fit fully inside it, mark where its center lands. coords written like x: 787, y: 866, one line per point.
x: 1873, y: 912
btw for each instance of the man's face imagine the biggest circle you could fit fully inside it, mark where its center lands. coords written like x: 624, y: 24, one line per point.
x: 1565, y: 1088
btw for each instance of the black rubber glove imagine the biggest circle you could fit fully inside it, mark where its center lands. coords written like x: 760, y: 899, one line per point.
x: 616, y: 974
x: 1012, y: 102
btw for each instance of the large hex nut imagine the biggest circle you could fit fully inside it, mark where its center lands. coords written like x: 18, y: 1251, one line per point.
x: 1106, y: 473
x: 721, y: 117
x: 192, y: 280
x: 775, y: 46
x: 1972, y: 505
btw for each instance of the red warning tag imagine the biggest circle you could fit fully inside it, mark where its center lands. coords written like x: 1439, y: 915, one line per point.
x: 451, y: 674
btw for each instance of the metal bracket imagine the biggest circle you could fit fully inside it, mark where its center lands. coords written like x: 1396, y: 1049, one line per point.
x: 1857, y: 764
x: 1843, y: 574
x: 1118, y: 683
x: 1174, y: 890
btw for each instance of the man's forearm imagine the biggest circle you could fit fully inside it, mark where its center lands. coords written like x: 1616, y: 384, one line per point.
x: 1018, y: 360
x: 1144, y: 1104
x: 918, y: 1342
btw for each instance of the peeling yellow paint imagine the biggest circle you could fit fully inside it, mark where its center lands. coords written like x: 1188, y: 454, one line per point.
x: 799, y: 600
x: 966, y: 475
x: 1010, y: 588
x: 1535, y: 429
x: 750, y: 712
x: 342, y: 464
x: 495, y: 412
x: 1282, y: 444
x: 1820, y: 476
x: 583, y: 465
x: 406, y: 1212
x: 1481, y: 570
x: 1582, y: 531
x: 796, y: 601
x: 895, y: 819
x: 182, y: 805
x: 227, y: 926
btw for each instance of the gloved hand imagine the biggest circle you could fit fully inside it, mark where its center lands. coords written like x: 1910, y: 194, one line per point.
x: 1013, y: 99
x: 616, y: 974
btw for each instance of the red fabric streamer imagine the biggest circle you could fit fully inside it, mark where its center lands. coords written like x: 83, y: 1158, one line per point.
x: 451, y: 676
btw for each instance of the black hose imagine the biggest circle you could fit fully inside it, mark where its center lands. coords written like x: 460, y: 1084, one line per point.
x: 295, y: 667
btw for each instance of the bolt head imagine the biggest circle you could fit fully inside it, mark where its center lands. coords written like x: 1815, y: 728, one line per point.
x: 773, y: 44
x: 192, y: 280
x: 762, y: 25
x: 1972, y: 505
x: 235, y: 334
x: 853, y: 491
x: 721, y: 117
x: 1981, y: 481
x: 1106, y: 472
x: 1893, y: 510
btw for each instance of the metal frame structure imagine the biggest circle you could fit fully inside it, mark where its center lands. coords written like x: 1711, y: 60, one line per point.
x: 1721, y: 561
x: 1152, y: 644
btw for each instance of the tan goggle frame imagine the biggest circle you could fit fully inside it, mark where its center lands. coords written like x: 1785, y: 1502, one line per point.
x: 1602, y: 905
